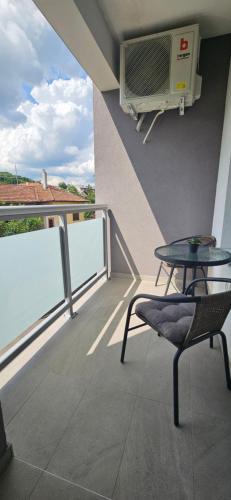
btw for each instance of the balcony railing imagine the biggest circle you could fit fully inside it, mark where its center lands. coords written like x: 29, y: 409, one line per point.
x: 43, y: 273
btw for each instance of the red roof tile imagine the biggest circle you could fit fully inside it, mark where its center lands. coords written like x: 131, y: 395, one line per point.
x: 34, y: 192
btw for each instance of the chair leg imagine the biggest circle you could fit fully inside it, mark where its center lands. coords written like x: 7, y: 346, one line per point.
x: 158, y: 274
x: 206, y: 284
x: 226, y: 360
x: 211, y: 342
x: 175, y: 387
x: 126, y: 331
x: 169, y: 279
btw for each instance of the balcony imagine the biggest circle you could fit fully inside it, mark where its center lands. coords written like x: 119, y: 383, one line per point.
x: 82, y: 425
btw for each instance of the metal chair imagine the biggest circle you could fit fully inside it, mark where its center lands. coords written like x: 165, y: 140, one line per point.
x: 185, y: 321
x: 209, y: 241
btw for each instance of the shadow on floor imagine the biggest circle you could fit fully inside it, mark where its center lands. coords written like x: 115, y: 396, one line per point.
x: 83, y: 425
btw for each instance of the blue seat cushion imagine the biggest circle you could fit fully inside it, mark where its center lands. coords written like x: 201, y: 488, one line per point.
x: 170, y: 320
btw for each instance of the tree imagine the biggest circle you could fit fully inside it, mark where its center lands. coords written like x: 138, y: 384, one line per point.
x: 8, y: 178
x: 62, y: 185
x: 90, y: 193
x: 90, y: 196
x: 72, y: 189
x: 69, y: 187
x: 8, y: 228
x: 22, y: 225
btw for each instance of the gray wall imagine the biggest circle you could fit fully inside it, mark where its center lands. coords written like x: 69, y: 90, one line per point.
x: 93, y: 16
x: 165, y: 189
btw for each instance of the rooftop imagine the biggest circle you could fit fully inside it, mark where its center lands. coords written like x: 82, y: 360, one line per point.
x: 35, y: 193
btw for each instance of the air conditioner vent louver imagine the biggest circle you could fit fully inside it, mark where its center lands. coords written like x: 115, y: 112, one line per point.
x: 159, y: 71
x: 147, y: 67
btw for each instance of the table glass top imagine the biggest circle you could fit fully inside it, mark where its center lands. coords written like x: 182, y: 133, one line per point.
x: 181, y: 254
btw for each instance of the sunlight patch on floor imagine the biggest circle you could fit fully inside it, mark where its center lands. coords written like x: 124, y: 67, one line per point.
x: 105, y: 328
x: 117, y: 336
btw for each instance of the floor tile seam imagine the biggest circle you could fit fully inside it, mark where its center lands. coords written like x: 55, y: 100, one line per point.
x: 72, y: 483
x: 213, y: 416
x: 121, y: 311
x: 203, y: 384
x: 49, y: 371
x: 65, y: 429
x: 164, y: 403
x: 145, y: 362
x: 27, y: 399
x: 124, y: 447
x: 90, y: 319
x: 38, y: 385
x: 70, y: 418
x: 38, y: 353
x: 192, y: 411
x: 198, y: 459
x: 40, y: 382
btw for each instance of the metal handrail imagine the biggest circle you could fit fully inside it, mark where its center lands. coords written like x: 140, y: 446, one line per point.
x: 23, y: 211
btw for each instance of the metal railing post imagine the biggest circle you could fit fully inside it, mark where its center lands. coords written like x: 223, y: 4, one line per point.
x: 3, y: 443
x: 64, y: 245
x: 23, y: 211
x: 107, y: 246
x: 6, y: 451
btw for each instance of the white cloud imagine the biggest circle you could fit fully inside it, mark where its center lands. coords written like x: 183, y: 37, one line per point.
x: 57, y: 132
x: 73, y: 91
x: 77, y: 172
x: 18, y: 54
x: 30, y: 52
x: 77, y: 167
x: 45, y: 99
x: 55, y: 180
x: 76, y: 181
x: 71, y: 150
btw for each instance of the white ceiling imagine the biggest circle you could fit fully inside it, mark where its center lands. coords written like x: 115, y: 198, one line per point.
x: 129, y: 18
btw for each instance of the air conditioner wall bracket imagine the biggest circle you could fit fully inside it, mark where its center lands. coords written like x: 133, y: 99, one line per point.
x: 181, y: 106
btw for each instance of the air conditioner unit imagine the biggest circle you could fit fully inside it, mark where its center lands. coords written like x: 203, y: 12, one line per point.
x: 158, y: 72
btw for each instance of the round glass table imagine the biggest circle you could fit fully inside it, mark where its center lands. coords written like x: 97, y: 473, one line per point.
x: 179, y: 255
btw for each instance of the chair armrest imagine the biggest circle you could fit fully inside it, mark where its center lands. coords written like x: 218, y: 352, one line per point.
x: 166, y: 299
x: 198, y: 280
x: 183, y: 239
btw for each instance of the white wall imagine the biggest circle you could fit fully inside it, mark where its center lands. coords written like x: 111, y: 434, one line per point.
x: 223, y: 192
x: 222, y: 210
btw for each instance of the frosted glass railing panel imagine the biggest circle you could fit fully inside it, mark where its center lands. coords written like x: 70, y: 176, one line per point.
x: 31, y: 280
x: 86, y: 250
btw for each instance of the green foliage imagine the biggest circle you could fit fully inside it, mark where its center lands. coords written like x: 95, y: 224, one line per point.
x: 90, y: 193
x: 22, y: 225
x: 63, y: 185
x: 8, y: 178
x: 72, y: 189
x: 90, y: 196
x: 8, y: 228
x: 194, y: 241
x: 69, y: 187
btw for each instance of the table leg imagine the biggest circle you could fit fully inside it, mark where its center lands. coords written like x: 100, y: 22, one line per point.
x: 184, y: 279
x: 194, y: 277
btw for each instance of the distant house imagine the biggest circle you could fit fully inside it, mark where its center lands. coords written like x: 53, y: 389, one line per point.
x: 36, y: 193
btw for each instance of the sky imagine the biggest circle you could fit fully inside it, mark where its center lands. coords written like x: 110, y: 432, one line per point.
x: 46, y: 117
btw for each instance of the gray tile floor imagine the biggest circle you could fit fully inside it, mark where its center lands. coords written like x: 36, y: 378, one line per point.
x: 85, y: 427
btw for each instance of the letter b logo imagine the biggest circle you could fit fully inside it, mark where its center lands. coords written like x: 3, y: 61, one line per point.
x: 183, y: 44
